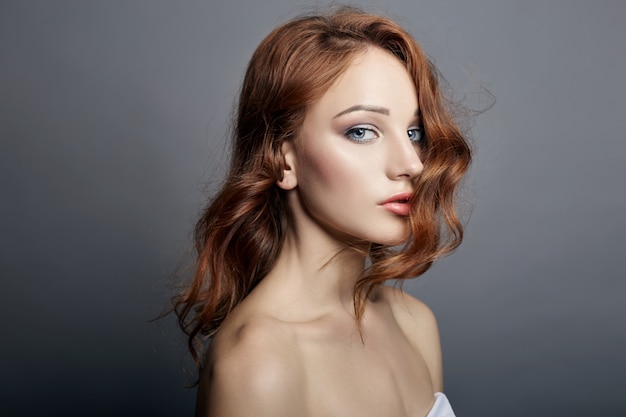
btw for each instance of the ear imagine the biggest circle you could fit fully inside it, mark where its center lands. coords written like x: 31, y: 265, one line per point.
x: 289, y: 181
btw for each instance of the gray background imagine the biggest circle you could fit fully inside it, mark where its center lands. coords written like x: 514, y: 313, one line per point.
x: 113, y: 116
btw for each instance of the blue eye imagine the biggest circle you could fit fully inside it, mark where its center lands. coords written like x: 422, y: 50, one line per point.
x: 416, y: 135
x: 361, y: 134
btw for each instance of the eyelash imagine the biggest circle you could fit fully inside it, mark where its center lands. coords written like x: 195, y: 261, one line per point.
x: 362, y: 130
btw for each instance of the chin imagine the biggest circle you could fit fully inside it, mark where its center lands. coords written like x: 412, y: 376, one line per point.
x: 392, y: 242
x: 393, y: 239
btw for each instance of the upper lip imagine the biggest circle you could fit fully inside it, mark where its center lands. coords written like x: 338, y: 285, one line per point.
x: 399, y: 198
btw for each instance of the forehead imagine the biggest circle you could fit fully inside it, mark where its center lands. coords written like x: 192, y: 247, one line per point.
x: 374, y: 77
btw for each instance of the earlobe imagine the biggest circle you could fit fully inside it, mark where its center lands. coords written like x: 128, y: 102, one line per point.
x: 289, y: 180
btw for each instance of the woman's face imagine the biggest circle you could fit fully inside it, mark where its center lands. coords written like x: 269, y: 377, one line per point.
x: 357, y: 156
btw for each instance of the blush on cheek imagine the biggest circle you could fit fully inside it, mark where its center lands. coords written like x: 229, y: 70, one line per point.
x: 325, y: 167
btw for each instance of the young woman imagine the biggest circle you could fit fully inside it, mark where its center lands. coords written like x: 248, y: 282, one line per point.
x: 343, y: 175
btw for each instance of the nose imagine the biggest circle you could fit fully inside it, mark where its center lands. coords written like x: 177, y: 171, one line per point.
x: 404, y: 161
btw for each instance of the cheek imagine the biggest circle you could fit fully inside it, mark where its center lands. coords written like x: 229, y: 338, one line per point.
x: 336, y: 171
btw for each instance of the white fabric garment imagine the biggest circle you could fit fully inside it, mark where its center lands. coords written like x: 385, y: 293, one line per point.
x: 442, y: 407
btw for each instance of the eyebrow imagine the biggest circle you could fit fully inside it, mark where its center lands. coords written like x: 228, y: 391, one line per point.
x: 363, y: 107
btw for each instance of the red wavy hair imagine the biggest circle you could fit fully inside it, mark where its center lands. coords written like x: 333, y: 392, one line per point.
x: 240, y: 233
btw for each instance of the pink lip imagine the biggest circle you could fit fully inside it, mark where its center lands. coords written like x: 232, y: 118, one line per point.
x: 399, y: 204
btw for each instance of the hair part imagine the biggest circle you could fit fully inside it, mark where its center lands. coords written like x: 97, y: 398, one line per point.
x: 241, y: 231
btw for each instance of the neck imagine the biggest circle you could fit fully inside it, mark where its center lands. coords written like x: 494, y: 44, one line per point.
x: 314, y: 273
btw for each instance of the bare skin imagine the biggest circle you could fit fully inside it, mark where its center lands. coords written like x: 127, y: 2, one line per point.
x: 292, y: 348
x: 260, y: 365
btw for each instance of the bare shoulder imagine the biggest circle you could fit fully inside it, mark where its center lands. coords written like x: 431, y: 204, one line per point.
x: 419, y: 325
x: 408, y: 309
x: 252, y: 369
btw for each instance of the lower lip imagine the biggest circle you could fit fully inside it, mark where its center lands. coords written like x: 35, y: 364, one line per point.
x: 401, y: 209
